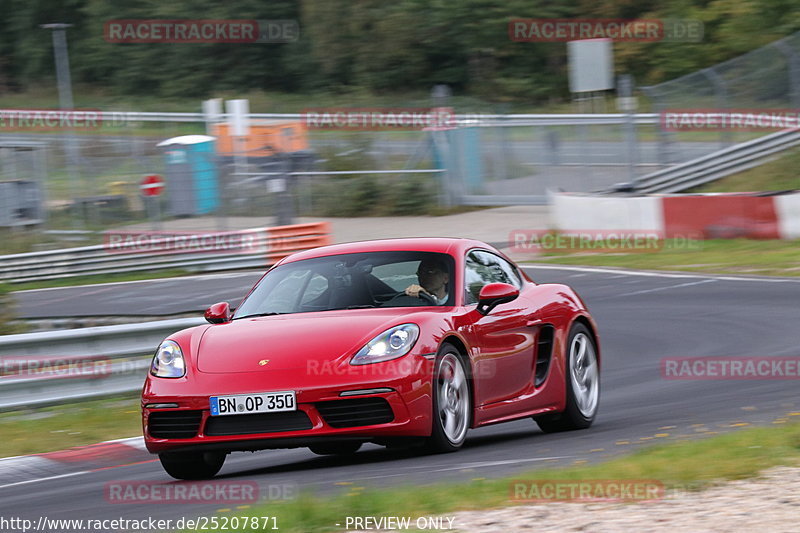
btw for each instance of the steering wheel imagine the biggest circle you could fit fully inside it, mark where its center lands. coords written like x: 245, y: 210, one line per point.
x: 426, y: 298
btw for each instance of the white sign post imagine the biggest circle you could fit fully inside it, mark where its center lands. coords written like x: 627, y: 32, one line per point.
x: 238, y: 129
x: 212, y: 112
x: 591, y: 69
x: 239, y: 111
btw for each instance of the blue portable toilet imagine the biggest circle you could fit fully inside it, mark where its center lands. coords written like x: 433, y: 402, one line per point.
x: 191, y: 175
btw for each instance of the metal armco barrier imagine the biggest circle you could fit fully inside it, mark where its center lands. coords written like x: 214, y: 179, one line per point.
x: 119, y: 357
x: 61, y: 366
x: 265, y: 247
x: 717, y: 165
x: 475, y: 119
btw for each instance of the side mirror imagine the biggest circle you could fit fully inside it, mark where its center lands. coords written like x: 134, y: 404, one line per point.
x: 494, y: 294
x: 219, y: 313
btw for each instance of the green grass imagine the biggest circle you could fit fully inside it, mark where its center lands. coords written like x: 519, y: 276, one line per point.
x: 693, y: 464
x: 734, y: 256
x: 96, y: 279
x: 46, y: 429
x: 778, y: 175
x: 682, y: 464
x: 9, y: 324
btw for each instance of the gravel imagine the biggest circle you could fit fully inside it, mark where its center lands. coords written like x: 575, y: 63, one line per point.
x: 770, y: 502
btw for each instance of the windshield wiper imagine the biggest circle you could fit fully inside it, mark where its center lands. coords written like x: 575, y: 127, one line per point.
x: 272, y: 313
x: 366, y: 306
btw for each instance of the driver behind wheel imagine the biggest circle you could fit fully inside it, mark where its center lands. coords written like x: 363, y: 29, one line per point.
x: 433, y: 279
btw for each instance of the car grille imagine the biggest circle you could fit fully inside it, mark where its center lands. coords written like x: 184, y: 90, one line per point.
x: 355, y: 412
x: 174, y: 424
x: 257, y: 423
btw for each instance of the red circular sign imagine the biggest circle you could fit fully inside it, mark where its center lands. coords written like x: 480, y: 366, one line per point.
x: 152, y: 185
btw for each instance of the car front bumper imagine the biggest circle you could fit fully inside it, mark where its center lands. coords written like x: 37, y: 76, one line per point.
x: 370, y: 402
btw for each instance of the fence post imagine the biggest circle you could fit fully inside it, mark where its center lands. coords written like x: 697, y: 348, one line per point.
x: 506, y: 149
x: 445, y: 160
x: 721, y: 95
x: 625, y: 88
x: 665, y: 149
x: 584, y: 107
x: 285, y: 209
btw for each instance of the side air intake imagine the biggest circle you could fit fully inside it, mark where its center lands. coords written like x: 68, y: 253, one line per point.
x: 544, y: 354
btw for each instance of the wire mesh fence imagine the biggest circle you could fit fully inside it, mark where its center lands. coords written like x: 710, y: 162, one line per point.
x: 765, y: 78
x: 768, y: 77
x: 86, y: 177
x: 90, y: 181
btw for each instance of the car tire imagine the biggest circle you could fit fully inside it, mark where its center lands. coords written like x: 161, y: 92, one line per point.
x: 582, y: 376
x: 192, y: 465
x: 336, y: 448
x: 452, y: 401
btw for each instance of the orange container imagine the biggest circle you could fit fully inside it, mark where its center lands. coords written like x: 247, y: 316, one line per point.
x: 266, y: 138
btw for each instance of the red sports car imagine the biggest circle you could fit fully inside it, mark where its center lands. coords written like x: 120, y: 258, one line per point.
x: 390, y: 342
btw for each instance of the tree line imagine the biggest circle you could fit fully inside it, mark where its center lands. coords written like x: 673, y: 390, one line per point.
x: 375, y: 46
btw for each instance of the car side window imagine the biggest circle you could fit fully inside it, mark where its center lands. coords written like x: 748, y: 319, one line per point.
x: 483, y: 268
x: 509, y: 272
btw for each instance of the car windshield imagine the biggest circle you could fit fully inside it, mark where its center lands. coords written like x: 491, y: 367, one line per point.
x: 350, y: 281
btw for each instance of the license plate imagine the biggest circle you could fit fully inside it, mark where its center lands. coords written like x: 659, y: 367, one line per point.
x: 268, y: 402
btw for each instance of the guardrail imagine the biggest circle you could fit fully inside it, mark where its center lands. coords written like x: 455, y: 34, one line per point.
x: 718, y: 164
x: 477, y: 119
x: 264, y: 247
x: 61, y: 366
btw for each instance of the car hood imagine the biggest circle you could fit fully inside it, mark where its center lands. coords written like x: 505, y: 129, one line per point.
x: 290, y: 341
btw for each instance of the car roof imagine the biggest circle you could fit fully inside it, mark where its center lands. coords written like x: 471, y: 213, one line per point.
x: 445, y: 245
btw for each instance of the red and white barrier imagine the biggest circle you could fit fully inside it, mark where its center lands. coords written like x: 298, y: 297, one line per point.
x: 787, y: 207
x: 584, y: 212
x: 714, y: 216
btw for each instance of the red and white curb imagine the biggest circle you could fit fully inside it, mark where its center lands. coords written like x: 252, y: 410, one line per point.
x: 719, y: 215
x: 24, y: 469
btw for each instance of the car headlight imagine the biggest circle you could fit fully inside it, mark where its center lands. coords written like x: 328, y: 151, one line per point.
x: 391, y: 344
x: 168, y: 361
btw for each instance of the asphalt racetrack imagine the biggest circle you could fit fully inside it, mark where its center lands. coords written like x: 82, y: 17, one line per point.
x: 643, y: 318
